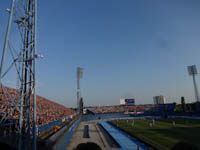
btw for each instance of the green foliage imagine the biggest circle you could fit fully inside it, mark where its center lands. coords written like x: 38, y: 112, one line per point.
x: 183, y: 104
x: 178, y: 108
x: 81, y: 104
x: 188, y: 107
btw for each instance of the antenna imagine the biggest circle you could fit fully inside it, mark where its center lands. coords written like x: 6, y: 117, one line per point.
x: 20, y: 63
x: 192, y: 71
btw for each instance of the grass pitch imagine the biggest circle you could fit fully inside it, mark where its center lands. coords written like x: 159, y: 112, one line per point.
x: 163, y: 134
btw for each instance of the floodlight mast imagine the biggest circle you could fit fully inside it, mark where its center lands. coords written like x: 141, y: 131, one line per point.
x: 192, y: 71
x: 79, y: 76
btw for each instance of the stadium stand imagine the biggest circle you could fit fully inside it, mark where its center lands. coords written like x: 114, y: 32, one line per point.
x: 121, y: 108
x: 47, y: 110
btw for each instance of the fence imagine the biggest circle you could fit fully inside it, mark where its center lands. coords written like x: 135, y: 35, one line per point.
x: 46, y: 127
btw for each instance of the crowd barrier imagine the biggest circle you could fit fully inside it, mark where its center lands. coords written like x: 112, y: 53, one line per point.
x: 125, y: 141
x: 70, y: 132
x: 46, y: 127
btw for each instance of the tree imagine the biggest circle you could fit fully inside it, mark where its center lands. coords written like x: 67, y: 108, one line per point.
x: 81, y: 105
x: 183, y: 103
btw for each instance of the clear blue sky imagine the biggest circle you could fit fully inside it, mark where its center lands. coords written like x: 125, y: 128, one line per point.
x: 128, y: 48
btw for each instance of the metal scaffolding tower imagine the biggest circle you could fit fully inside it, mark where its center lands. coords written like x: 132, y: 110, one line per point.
x: 18, y: 62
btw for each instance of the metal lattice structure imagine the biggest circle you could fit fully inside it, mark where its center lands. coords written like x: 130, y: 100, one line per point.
x: 192, y: 71
x: 18, y: 63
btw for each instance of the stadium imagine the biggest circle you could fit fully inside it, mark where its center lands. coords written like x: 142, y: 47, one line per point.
x: 141, y: 126
x: 135, y: 95
x: 148, y: 126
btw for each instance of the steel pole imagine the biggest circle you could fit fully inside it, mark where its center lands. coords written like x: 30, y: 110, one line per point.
x: 24, y: 80
x: 78, y: 93
x: 6, y: 39
x: 34, y: 78
x: 195, y: 88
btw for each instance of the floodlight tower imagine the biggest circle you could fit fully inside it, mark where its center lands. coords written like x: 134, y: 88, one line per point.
x: 20, y: 63
x: 79, y: 76
x: 192, y: 70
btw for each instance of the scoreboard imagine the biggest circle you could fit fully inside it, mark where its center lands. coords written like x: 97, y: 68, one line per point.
x: 129, y: 101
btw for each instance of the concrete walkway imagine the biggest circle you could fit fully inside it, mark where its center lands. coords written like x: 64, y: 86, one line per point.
x: 95, y: 136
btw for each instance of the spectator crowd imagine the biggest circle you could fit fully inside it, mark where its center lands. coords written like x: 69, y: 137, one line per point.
x: 47, y: 110
x: 121, y: 108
